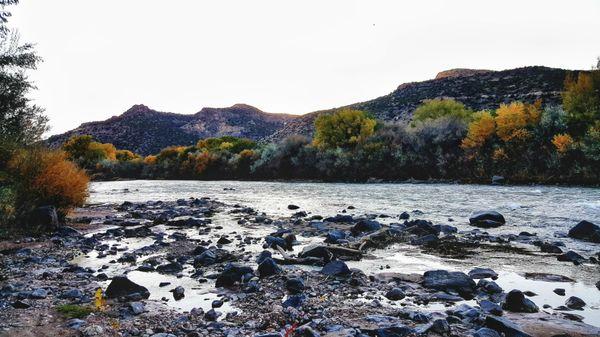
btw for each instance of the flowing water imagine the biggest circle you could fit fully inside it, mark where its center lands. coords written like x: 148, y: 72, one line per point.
x: 545, y: 210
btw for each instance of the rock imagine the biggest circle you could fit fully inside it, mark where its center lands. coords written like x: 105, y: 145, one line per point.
x: 486, y: 332
x: 487, y: 219
x: 440, y: 326
x: 294, y: 301
x: 263, y: 255
x: 223, y: 241
x: 598, y: 285
x: 73, y: 294
x: 335, y: 268
x: 546, y: 277
x: 121, y: 286
x: 479, y: 273
x: 212, y: 315
x: 394, y: 331
x: 232, y: 273
x: 268, y: 267
x: 178, y: 293
x: 340, y: 218
x: 365, y: 226
x: 395, y: 294
x: 490, y: 307
x: 163, y: 334
x: 550, y: 248
x: 505, y: 326
x: 170, y: 268
x: 38, y: 294
x: 273, y: 241
x: 18, y: 304
x: 515, y: 301
x: 574, y: 302
x: 449, y: 281
x: 92, y: 330
x: 571, y: 256
x: 293, y: 207
x: 559, y: 291
x: 43, y: 218
x: 586, y: 231
x: 489, y: 287
x: 216, y: 304
x: 404, y: 216
x: 294, y: 285
x: 137, y: 307
x: 497, y: 180
x: 334, y: 236
x: 75, y: 323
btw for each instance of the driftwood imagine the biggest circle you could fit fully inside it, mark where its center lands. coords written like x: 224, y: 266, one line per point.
x: 288, y: 260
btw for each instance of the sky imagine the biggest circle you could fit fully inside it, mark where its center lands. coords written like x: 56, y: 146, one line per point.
x: 102, y: 57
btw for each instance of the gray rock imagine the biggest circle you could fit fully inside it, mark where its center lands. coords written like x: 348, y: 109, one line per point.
x: 505, y: 326
x: 395, y: 294
x: 479, y: 273
x: 560, y: 291
x: 487, y: 219
x: 39, y: 293
x: 515, y: 301
x: 449, y: 281
x: 294, y: 285
x: 137, y: 307
x: 178, y: 293
x: 121, y: 286
x: 268, y: 267
x: 576, y: 303
x: 586, y: 231
x: 336, y: 268
x: 486, y: 332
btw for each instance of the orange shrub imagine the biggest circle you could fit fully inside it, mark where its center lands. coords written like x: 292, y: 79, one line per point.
x: 512, y: 119
x: 481, y: 129
x: 150, y: 160
x: 563, y: 142
x: 46, y: 177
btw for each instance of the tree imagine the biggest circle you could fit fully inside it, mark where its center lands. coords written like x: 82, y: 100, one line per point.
x: 581, y: 101
x: 563, y: 142
x: 86, y: 153
x: 512, y: 119
x: 21, y: 122
x: 480, y: 130
x: 436, y: 108
x: 344, y: 129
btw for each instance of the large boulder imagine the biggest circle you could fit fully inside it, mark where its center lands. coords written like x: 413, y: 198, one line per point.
x: 335, y: 268
x: 232, y: 273
x: 268, y: 267
x: 121, y: 286
x: 449, y: 281
x: 487, y: 219
x: 505, y: 326
x: 515, y: 301
x: 586, y: 231
x: 43, y: 218
x: 365, y: 226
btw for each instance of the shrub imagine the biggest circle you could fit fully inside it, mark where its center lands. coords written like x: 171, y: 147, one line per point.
x: 344, y: 129
x: 75, y: 311
x: 581, y: 101
x: 563, y: 142
x: 481, y: 129
x: 437, y: 108
x: 45, y: 177
x: 512, y: 119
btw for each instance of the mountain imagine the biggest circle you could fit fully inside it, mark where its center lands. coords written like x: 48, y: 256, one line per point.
x: 477, y: 89
x: 146, y: 131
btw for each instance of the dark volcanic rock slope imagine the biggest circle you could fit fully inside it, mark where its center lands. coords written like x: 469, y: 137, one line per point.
x: 146, y: 131
x: 479, y: 89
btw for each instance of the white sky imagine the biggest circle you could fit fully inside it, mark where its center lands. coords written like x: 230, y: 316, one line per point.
x: 101, y: 57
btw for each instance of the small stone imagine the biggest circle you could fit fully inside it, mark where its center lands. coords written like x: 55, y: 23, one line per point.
x: 559, y: 291
x: 574, y: 302
x: 178, y: 293
x: 294, y: 285
x: 395, y: 294
x: 137, y: 307
x: 217, y: 303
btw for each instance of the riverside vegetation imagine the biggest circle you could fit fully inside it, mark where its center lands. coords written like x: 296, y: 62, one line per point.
x: 522, y: 142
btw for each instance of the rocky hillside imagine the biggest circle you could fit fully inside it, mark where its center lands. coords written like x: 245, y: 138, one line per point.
x: 478, y: 89
x: 146, y: 131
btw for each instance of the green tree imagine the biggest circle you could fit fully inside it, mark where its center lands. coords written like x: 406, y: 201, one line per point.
x: 581, y: 101
x: 442, y: 107
x: 344, y: 129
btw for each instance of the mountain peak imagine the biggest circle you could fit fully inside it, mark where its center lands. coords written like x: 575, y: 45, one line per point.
x: 137, y: 109
x: 460, y: 72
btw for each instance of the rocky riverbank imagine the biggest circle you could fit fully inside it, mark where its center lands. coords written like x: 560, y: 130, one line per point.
x: 199, y: 267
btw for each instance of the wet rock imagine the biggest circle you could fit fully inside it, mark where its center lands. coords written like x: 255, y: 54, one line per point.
x: 559, y: 291
x: 178, y: 293
x: 489, y: 287
x: 164, y: 284
x: 394, y: 331
x: 268, y: 267
x: 232, y: 273
x: 273, y: 241
x: 515, y: 301
x: 365, y: 226
x: 490, y: 307
x: 293, y: 207
x: 335, y: 268
x: 487, y: 219
x: 263, y: 255
x: 395, y: 294
x: 223, y: 241
x: 212, y: 315
x: 425, y: 240
x: 546, y: 277
x: 550, y: 248
x: 449, y: 281
x: 170, y: 268
x: 486, y: 332
x: 574, y: 302
x: 498, y: 180
x: 571, y: 256
x: 121, y: 286
x: 598, y: 285
x: 340, y: 218
x: 586, y: 231
x: 294, y: 285
x: 480, y: 273
x: 505, y: 326
x: 335, y: 236
x: 404, y: 216
x: 440, y: 326
x: 137, y: 307
x: 216, y: 304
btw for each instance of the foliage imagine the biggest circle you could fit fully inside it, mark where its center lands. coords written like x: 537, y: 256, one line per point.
x: 344, y: 129
x: 84, y: 151
x: 581, y: 100
x: 438, y: 108
x: 513, y: 119
x: 45, y: 177
x: 563, y: 142
x: 481, y: 129
x: 74, y: 310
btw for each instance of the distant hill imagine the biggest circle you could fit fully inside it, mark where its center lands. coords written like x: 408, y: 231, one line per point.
x: 477, y: 89
x: 147, y: 131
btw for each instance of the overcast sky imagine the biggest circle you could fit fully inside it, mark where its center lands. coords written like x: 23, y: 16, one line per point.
x: 101, y: 57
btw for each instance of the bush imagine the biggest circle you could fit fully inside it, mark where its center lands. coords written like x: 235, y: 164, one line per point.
x: 437, y: 108
x: 344, y: 129
x: 75, y: 311
x: 45, y: 177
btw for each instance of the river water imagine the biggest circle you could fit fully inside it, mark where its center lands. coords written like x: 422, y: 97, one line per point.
x: 547, y: 211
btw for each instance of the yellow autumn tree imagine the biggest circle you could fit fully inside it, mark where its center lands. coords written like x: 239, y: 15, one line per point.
x: 480, y: 130
x: 513, y: 119
x: 344, y: 129
x: 562, y: 142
